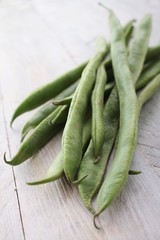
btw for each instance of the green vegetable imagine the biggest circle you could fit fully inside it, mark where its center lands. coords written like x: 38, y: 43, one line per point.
x: 40, y: 136
x: 72, y: 136
x: 48, y: 91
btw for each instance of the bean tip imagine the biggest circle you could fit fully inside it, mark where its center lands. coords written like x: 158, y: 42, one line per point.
x: 4, y: 157
x: 104, y: 6
x: 94, y: 221
x: 31, y: 183
x: 11, y: 122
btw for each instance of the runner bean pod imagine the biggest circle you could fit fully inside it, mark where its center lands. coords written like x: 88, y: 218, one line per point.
x: 48, y: 91
x: 72, y: 136
x: 40, y: 136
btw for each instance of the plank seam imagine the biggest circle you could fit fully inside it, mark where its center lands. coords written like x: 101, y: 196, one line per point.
x: 14, y: 177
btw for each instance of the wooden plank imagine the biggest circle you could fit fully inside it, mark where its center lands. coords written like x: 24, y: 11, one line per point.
x: 38, y: 41
x: 11, y: 225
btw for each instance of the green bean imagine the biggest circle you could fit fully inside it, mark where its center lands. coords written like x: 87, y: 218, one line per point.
x: 139, y: 46
x: 138, y: 50
x: 128, y: 117
x: 63, y: 101
x: 95, y: 172
x: 148, y: 73
x: 40, y: 136
x: 118, y: 173
x: 45, y: 110
x: 72, y: 136
x: 90, y: 185
x: 104, y: 196
x: 97, y: 111
x: 48, y: 91
x: 56, y: 169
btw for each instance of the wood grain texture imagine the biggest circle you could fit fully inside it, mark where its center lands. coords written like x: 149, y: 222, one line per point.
x: 40, y: 40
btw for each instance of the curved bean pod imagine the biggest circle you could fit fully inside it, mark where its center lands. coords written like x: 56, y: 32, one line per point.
x: 72, y: 136
x: 40, y: 136
x: 48, y: 91
x: 139, y: 46
x: 95, y: 172
x: 90, y: 185
x: 118, y: 173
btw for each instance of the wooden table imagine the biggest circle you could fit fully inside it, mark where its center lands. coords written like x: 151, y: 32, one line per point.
x: 40, y: 40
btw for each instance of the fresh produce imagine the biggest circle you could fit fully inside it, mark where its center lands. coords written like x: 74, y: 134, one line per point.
x: 72, y: 136
x: 98, y: 104
x: 125, y: 79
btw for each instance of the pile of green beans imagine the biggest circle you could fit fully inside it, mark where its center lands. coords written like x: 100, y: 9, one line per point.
x: 97, y: 105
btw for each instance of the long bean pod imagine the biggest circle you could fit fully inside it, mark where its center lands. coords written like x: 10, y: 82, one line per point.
x: 144, y: 96
x: 72, y: 137
x: 139, y: 46
x: 118, y: 173
x: 40, y: 136
x: 48, y: 91
x: 90, y: 185
x: 95, y: 172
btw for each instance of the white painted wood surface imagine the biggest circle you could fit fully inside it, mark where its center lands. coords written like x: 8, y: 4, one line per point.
x: 40, y: 40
